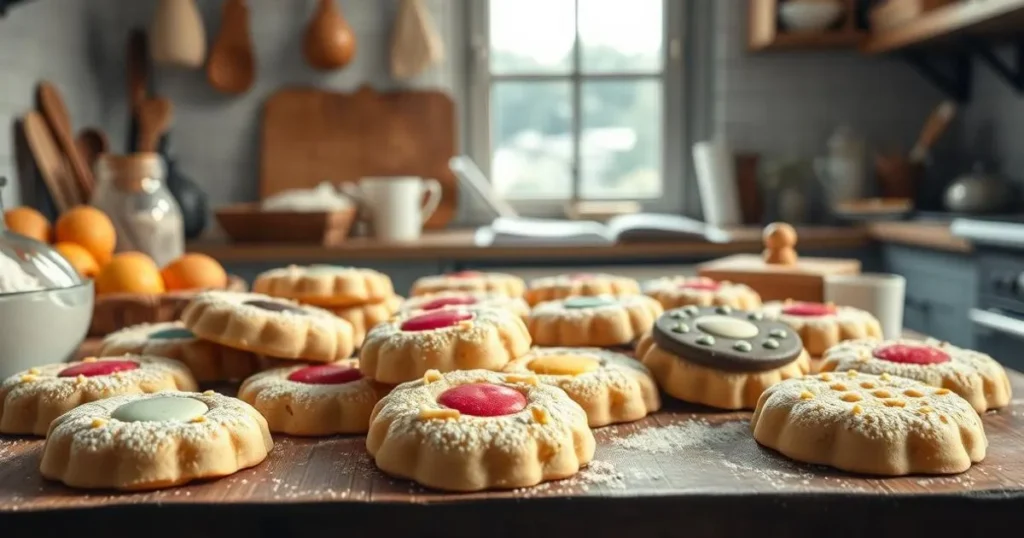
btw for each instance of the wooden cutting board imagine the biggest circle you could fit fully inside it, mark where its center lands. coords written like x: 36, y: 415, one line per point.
x: 310, y: 136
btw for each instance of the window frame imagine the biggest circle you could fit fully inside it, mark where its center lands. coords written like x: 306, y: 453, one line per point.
x: 675, y: 143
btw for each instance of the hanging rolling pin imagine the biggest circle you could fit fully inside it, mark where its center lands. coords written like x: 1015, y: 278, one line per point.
x: 329, y: 42
x: 232, y: 68
x: 177, y: 36
x: 415, y: 43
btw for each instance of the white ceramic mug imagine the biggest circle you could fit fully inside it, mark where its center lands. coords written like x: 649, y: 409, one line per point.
x: 881, y: 294
x: 397, y: 205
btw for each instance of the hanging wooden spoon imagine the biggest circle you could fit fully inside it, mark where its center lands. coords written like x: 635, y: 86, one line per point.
x: 91, y: 144
x: 329, y: 41
x: 155, y: 117
x: 50, y: 163
x: 232, y: 68
x: 51, y: 104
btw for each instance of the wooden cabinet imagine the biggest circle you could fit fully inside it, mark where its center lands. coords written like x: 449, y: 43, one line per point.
x: 766, y: 33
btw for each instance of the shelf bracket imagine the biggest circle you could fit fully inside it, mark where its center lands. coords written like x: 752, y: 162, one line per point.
x: 1011, y: 72
x: 949, y: 73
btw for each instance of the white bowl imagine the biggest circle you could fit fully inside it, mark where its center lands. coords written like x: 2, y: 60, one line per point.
x: 42, y: 327
x: 809, y: 16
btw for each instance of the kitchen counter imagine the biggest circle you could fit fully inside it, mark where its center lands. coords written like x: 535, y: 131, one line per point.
x: 930, y: 235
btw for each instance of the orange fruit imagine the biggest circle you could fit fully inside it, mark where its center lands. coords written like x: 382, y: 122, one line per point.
x: 194, y: 271
x: 90, y: 228
x: 79, y: 258
x: 28, y: 222
x: 130, y: 272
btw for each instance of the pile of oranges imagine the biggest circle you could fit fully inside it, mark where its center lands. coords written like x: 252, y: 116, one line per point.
x: 86, y: 237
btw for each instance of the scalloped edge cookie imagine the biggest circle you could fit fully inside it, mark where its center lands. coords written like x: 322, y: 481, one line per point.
x: 669, y: 291
x: 553, y: 288
x: 365, y: 317
x: 517, y: 305
x: 325, y: 285
x: 470, y: 282
x: 614, y: 325
x: 822, y: 332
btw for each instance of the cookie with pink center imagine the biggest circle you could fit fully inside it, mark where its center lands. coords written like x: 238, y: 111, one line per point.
x: 595, y: 321
x: 673, y: 292
x: 476, y: 430
x: 557, y: 287
x: 822, y: 326
x: 975, y: 376
x: 314, y: 400
x: 449, y: 338
x: 30, y: 400
x: 470, y: 282
x: 437, y: 301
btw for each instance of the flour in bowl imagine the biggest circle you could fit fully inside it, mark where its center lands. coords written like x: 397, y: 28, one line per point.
x: 14, y: 279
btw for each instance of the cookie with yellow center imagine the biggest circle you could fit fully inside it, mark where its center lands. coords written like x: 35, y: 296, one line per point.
x: 436, y: 301
x: 476, y: 430
x: 470, y: 282
x: 975, y: 376
x: 365, y: 317
x: 557, y: 287
x: 599, y: 321
x: 863, y: 423
x: 822, y: 326
x: 152, y: 441
x: 325, y: 285
x: 314, y: 400
x: 450, y: 338
x: 30, y: 400
x: 721, y: 357
x: 674, y: 292
x: 610, y: 387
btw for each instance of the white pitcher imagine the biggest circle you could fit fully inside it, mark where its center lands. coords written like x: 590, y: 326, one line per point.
x: 397, y: 206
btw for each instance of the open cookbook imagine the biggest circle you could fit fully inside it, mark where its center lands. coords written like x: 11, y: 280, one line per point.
x: 635, y: 228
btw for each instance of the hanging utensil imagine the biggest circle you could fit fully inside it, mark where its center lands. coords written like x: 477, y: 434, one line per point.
x: 177, y: 36
x: 936, y: 124
x: 415, y: 44
x: 91, y: 144
x: 154, y: 117
x: 137, y: 67
x: 51, y: 104
x: 50, y: 163
x: 329, y: 42
x: 232, y: 68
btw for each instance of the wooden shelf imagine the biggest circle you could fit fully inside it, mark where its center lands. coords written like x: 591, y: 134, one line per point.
x: 765, y: 34
x: 811, y: 41
x: 967, y: 18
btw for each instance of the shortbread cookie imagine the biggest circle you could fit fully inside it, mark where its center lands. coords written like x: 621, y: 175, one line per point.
x: 208, y: 361
x: 862, y: 423
x: 325, y: 285
x: 365, y: 317
x: 673, y: 292
x: 440, y: 300
x: 721, y: 357
x: 822, y: 326
x: 452, y: 338
x: 152, y: 441
x: 472, y: 282
x: 975, y: 376
x: 553, y: 288
x: 322, y: 399
x: 31, y: 399
x: 270, y: 326
x: 476, y: 430
x: 600, y: 321
x: 610, y: 387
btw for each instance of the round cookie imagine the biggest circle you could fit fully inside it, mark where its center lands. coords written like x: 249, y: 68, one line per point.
x: 30, y: 400
x: 863, y: 423
x: 435, y: 301
x: 470, y: 282
x: 721, y: 357
x: 610, y: 387
x: 451, y: 338
x: 674, y: 292
x: 209, y: 362
x: 975, y: 376
x: 592, y: 321
x: 325, y: 285
x: 152, y: 441
x: 822, y: 326
x: 588, y: 284
x: 365, y: 317
x: 279, y: 328
x: 476, y: 430
x: 314, y: 400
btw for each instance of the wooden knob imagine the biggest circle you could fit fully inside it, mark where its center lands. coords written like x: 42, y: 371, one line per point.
x: 779, y: 239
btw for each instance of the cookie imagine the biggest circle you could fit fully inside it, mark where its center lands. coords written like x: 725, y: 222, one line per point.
x: 365, y: 317
x: 863, y: 423
x: 314, y: 400
x: 451, y: 338
x: 673, y: 292
x: 592, y: 321
x: 442, y: 299
x: 822, y: 326
x: 975, y: 376
x: 152, y: 441
x: 586, y: 284
x: 476, y: 430
x: 269, y: 326
x: 30, y: 400
x: 610, y: 387
x: 721, y: 357
x: 471, y: 282
x: 209, y: 362
x: 325, y: 285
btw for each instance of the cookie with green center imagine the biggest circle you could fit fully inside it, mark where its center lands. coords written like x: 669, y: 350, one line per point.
x: 470, y: 282
x: 593, y: 321
x: 325, y: 285
x: 552, y: 288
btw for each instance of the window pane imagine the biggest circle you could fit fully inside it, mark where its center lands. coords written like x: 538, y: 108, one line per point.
x: 531, y: 125
x: 617, y: 36
x: 532, y: 36
x: 620, y: 149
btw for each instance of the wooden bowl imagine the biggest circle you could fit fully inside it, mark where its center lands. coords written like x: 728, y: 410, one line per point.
x: 248, y: 223
x: 116, y: 311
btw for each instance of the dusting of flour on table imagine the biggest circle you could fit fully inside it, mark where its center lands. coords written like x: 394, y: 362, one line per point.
x: 693, y: 433
x: 14, y: 279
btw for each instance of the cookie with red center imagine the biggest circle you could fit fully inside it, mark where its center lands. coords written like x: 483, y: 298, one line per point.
x: 475, y: 430
x: 822, y: 326
x: 871, y: 424
x: 30, y: 400
x: 592, y: 321
x: 269, y: 326
x: 437, y: 301
x: 365, y: 317
x: 314, y: 400
x: 553, y: 288
x: 470, y: 282
x: 975, y: 376
x: 446, y: 339
x: 611, y: 387
x: 325, y: 285
x: 674, y: 292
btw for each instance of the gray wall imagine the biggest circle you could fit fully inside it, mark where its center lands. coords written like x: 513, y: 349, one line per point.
x: 995, y: 122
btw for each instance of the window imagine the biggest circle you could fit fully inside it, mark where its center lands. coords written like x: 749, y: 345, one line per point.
x: 578, y: 99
